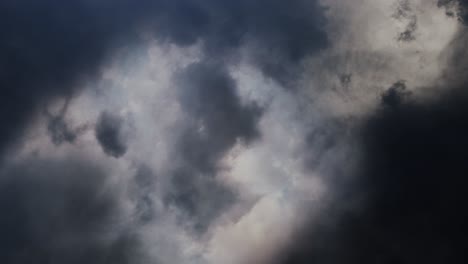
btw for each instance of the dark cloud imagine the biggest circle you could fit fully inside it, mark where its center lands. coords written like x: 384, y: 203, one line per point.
x: 406, y: 200
x: 142, y: 190
x: 405, y: 13
x: 280, y: 34
x: 455, y: 8
x: 218, y: 120
x: 345, y: 79
x: 109, y: 134
x: 395, y: 95
x: 201, y: 198
x: 208, y: 94
x: 61, y: 211
x: 407, y: 204
x: 324, y: 140
x: 59, y: 129
x: 415, y: 173
x: 47, y: 47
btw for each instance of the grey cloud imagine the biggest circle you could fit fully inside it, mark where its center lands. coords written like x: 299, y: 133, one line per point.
x: 201, y: 198
x: 455, y: 8
x: 398, y: 209
x: 345, y: 79
x: 62, y: 211
x: 217, y: 121
x: 323, y: 139
x: 405, y: 13
x: 395, y: 95
x: 404, y: 203
x: 142, y: 190
x: 280, y: 33
x: 209, y: 95
x: 59, y: 129
x: 59, y: 211
x: 47, y: 48
x: 109, y: 134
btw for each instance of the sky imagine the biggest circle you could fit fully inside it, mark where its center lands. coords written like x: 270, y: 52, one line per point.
x: 233, y: 132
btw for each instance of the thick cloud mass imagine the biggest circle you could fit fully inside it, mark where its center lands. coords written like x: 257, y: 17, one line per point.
x: 48, y: 50
x: 416, y: 174
x: 61, y: 212
x: 218, y: 120
x: 231, y: 121
x: 279, y: 34
x: 406, y: 202
x: 47, y: 47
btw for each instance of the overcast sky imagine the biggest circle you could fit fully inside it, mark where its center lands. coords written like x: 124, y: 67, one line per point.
x: 233, y: 132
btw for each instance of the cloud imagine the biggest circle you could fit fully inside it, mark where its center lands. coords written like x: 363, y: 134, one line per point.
x: 217, y: 121
x: 394, y: 96
x: 47, y: 49
x: 59, y: 129
x: 405, y: 13
x: 223, y: 157
x: 278, y: 34
x: 109, y: 134
x: 62, y: 211
x: 405, y: 201
x: 455, y: 8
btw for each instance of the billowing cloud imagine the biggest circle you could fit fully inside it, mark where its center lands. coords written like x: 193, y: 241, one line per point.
x: 271, y: 132
x: 48, y: 48
x: 404, y: 203
x: 217, y: 120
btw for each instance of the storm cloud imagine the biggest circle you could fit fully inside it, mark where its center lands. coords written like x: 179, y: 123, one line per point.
x: 51, y: 50
x: 405, y: 202
x: 217, y: 121
x: 61, y: 211
x: 268, y: 131
x: 48, y: 48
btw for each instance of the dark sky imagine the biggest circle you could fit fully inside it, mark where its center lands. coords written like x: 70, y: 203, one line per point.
x: 278, y: 93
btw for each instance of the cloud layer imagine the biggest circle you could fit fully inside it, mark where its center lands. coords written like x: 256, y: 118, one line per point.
x: 235, y: 132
